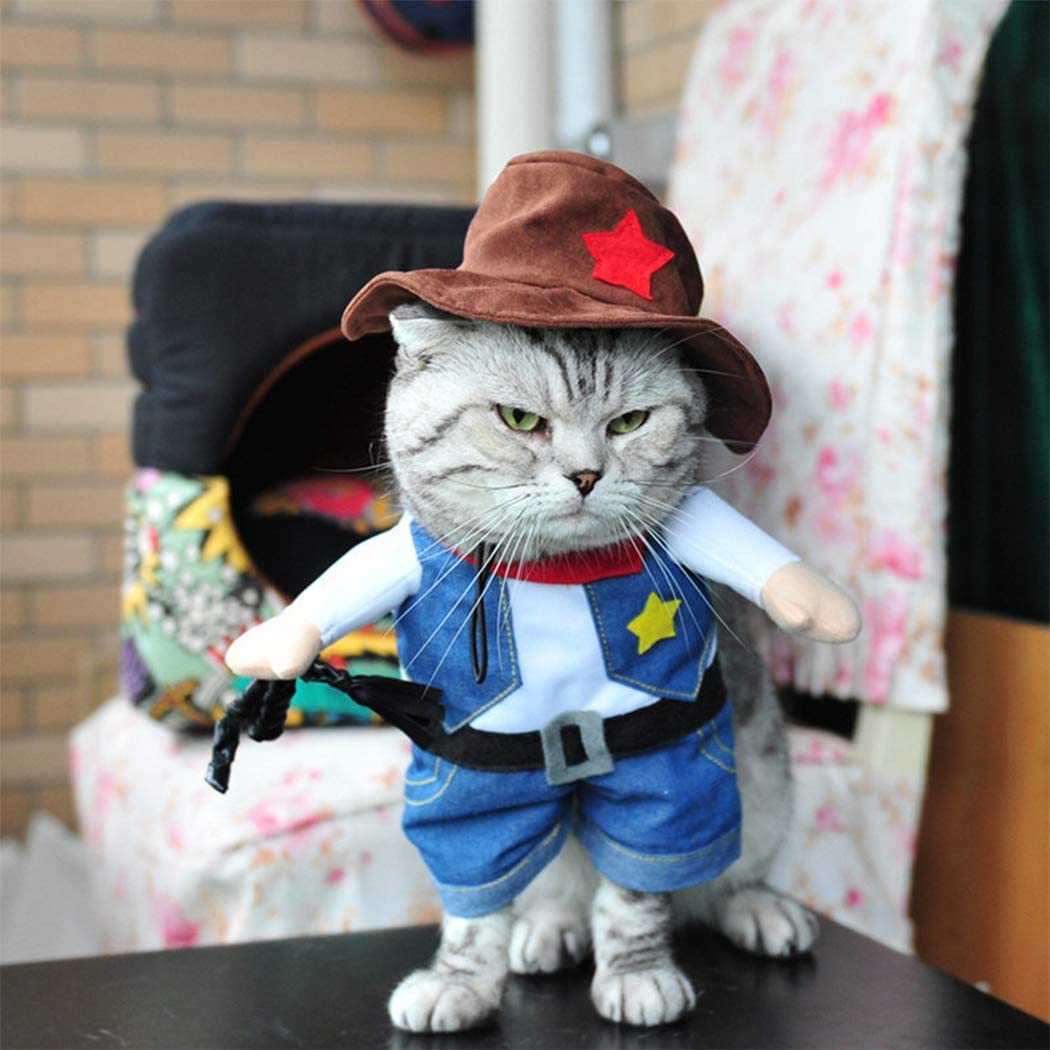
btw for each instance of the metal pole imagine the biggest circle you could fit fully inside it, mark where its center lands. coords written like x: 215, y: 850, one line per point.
x: 513, y: 56
x: 585, y: 93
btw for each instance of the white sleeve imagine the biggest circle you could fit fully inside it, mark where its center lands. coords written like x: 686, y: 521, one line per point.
x: 708, y: 536
x: 369, y: 581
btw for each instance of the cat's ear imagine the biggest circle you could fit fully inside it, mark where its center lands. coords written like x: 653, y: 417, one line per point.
x: 422, y: 331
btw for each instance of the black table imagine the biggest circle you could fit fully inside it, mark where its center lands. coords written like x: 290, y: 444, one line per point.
x: 331, y: 992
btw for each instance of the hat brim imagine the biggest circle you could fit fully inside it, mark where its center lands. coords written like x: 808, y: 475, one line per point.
x: 741, y: 404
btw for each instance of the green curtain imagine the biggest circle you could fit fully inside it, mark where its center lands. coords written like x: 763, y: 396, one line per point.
x: 999, y: 524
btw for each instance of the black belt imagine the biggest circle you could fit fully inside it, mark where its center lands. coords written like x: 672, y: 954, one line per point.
x: 574, y: 745
x: 581, y: 744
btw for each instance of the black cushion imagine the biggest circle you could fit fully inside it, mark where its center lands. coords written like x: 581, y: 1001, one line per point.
x: 224, y: 292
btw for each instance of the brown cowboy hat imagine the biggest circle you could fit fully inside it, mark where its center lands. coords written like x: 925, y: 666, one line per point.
x: 564, y: 240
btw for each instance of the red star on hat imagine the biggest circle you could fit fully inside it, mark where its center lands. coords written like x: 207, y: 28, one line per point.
x: 624, y: 256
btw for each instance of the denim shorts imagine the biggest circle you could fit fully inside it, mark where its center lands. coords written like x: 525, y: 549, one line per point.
x: 659, y: 821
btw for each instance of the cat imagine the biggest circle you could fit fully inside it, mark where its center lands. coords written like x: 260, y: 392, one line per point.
x: 472, y: 481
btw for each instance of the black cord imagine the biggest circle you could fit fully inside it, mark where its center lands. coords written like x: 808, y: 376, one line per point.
x: 413, y: 708
x: 262, y: 708
x: 479, y: 631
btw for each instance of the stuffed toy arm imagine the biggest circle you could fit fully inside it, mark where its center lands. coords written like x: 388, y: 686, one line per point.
x: 368, y: 582
x: 709, y: 537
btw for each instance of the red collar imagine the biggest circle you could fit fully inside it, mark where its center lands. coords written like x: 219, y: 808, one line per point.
x: 623, y: 559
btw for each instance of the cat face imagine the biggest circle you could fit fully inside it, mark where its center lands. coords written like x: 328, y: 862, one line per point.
x: 539, y: 441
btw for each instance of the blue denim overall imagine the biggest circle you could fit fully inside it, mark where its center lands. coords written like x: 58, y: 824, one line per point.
x: 654, y: 821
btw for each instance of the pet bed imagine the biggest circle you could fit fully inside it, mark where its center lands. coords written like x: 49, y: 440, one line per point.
x: 254, y: 435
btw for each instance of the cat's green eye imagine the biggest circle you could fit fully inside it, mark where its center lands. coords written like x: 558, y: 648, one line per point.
x: 628, y: 421
x: 519, y: 419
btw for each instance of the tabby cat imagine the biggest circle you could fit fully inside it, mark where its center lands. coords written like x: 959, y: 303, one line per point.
x: 522, y: 447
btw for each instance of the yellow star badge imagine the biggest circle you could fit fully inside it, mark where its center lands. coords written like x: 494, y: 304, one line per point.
x: 655, y: 622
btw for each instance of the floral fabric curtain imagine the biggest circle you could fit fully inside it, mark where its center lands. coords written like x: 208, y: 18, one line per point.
x: 819, y: 172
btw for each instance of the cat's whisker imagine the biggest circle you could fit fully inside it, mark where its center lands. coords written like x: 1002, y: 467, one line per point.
x: 660, y: 503
x: 707, y: 601
x: 652, y: 485
x: 442, y: 575
x: 447, y: 550
x: 475, y: 529
x: 669, y: 580
x: 668, y: 347
x: 743, y: 376
x: 716, y: 372
x: 468, y: 539
x: 371, y: 469
x: 446, y: 540
x: 635, y: 534
x: 485, y: 488
x: 479, y: 569
x: 674, y: 511
x: 515, y: 556
x: 652, y: 537
x: 647, y: 348
x: 722, y: 337
x: 524, y: 554
x: 711, y: 599
x: 493, y: 560
x: 733, y: 469
x: 513, y: 585
x: 679, y: 342
x: 641, y: 537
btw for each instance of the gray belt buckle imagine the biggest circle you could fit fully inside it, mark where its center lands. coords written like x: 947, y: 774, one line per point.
x: 592, y: 737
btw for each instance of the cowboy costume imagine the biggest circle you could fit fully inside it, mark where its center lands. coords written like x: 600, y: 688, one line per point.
x: 509, y: 761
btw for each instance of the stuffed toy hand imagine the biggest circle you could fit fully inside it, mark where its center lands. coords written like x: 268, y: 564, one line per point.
x: 283, y: 647
x: 800, y: 600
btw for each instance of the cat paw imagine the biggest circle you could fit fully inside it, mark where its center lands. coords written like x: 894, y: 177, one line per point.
x: 548, y: 940
x: 650, y: 997
x: 426, y: 1001
x: 765, y: 922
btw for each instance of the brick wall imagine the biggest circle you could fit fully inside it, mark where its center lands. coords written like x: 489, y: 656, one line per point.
x: 115, y: 112
x: 656, y: 40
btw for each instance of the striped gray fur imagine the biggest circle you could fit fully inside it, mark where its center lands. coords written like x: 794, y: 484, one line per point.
x: 636, y: 980
x: 463, y: 985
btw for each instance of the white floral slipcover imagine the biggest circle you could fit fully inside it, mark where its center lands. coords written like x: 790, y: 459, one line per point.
x: 307, y: 840
x: 819, y: 174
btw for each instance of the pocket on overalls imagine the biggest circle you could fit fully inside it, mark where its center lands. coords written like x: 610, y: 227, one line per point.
x: 428, y: 778
x: 716, y: 741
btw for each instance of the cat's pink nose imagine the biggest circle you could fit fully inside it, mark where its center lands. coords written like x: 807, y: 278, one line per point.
x: 585, y: 480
